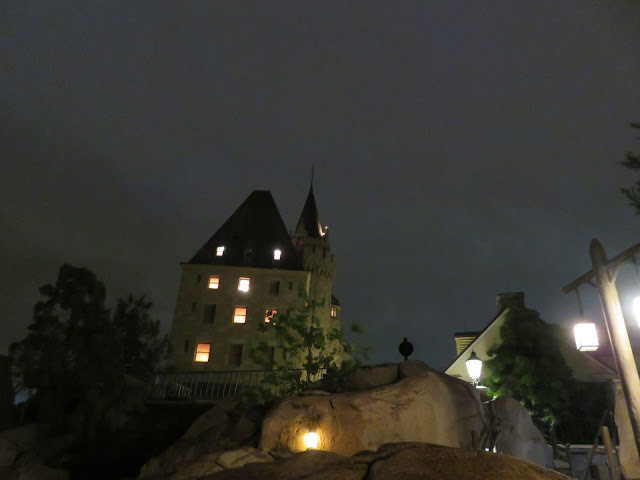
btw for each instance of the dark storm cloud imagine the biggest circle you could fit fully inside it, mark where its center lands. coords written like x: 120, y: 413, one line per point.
x: 460, y: 150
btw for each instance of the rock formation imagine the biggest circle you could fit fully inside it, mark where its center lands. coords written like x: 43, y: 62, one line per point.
x: 426, y: 406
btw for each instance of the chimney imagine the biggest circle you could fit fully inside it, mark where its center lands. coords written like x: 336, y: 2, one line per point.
x: 509, y: 299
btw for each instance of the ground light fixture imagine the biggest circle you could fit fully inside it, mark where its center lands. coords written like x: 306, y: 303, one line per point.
x: 586, y: 336
x: 474, y: 367
x: 311, y: 440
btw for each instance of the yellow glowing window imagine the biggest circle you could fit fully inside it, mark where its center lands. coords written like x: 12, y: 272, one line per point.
x: 219, y: 251
x: 240, y: 315
x: 214, y: 282
x: 277, y: 254
x: 202, y: 352
x: 243, y: 284
x: 270, y: 313
x: 334, y: 312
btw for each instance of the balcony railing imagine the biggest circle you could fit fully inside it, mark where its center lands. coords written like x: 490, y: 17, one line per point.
x: 207, y: 386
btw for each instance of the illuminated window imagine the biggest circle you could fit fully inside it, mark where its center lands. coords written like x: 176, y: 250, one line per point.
x: 270, y: 313
x: 243, y: 284
x: 240, y: 315
x: 214, y: 282
x: 202, y: 352
x: 277, y: 254
x: 334, y: 312
x: 219, y: 251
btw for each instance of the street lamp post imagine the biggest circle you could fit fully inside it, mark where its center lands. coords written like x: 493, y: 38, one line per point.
x: 616, y: 327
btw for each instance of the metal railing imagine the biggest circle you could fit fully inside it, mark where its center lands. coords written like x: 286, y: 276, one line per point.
x: 207, y: 386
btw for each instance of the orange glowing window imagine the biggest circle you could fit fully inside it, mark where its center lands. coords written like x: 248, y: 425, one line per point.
x: 202, y: 352
x: 270, y: 313
x: 214, y: 282
x: 243, y: 284
x: 219, y: 251
x: 240, y: 315
x: 334, y: 312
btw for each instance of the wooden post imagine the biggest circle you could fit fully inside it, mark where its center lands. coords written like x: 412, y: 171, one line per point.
x: 612, y: 460
x: 618, y: 336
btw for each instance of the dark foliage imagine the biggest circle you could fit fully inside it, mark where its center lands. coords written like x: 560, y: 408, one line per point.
x: 75, y: 355
x: 302, y: 342
x: 633, y: 163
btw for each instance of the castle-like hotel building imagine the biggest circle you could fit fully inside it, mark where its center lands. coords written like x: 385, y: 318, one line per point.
x: 250, y: 268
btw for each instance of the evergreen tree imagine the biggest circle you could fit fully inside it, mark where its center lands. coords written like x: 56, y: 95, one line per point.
x: 633, y: 162
x: 528, y: 366
x: 75, y: 356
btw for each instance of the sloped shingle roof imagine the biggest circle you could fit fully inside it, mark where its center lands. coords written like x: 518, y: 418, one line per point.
x: 250, y: 236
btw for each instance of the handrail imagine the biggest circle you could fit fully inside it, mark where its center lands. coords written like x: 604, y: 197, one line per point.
x: 216, y: 385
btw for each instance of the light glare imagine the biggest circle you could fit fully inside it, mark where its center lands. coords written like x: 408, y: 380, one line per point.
x: 586, y: 336
x: 311, y: 440
x: 636, y: 309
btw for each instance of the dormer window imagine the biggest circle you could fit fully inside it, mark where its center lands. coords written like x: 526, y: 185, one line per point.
x: 334, y: 312
x: 243, y: 284
x: 277, y: 253
x: 219, y: 251
x: 214, y: 283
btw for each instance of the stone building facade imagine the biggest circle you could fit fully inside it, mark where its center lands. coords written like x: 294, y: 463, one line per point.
x: 249, y: 269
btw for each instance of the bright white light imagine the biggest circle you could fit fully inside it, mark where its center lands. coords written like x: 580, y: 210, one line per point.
x: 586, y: 337
x: 277, y: 254
x: 243, y: 284
x: 214, y: 282
x: 636, y: 309
x: 311, y: 440
x: 219, y: 251
x: 474, y: 367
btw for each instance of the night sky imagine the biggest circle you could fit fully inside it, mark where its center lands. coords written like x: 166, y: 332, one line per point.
x: 460, y: 148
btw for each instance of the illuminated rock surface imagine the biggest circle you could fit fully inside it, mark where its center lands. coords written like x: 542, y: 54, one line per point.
x: 400, y: 461
x: 428, y: 407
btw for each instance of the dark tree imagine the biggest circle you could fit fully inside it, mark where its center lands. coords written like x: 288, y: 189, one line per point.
x: 75, y: 355
x: 633, y: 163
x: 141, y: 347
x: 528, y: 365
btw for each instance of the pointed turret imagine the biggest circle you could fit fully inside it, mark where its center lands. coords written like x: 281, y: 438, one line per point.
x: 309, y: 224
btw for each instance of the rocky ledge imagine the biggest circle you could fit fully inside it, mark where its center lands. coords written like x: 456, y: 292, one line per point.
x: 398, y: 461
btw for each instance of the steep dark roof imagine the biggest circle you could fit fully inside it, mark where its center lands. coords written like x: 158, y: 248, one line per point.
x: 334, y: 301
x: 309, y: 224
x: 250, y: 236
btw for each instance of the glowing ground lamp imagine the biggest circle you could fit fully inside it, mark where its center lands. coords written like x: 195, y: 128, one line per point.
x: 311, y: 440
x: 474, y: 367
x: 586, y: 337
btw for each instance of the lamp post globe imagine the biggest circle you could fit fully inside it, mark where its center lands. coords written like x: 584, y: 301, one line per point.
x: 474, y: 367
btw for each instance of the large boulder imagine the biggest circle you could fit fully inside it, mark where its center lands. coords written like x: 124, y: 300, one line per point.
x: 17, y: 440
x: 431, y: 407
x: 371, y: 376
x: 403, y: 461
x: 518, y: 435
x: 210, y: 444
